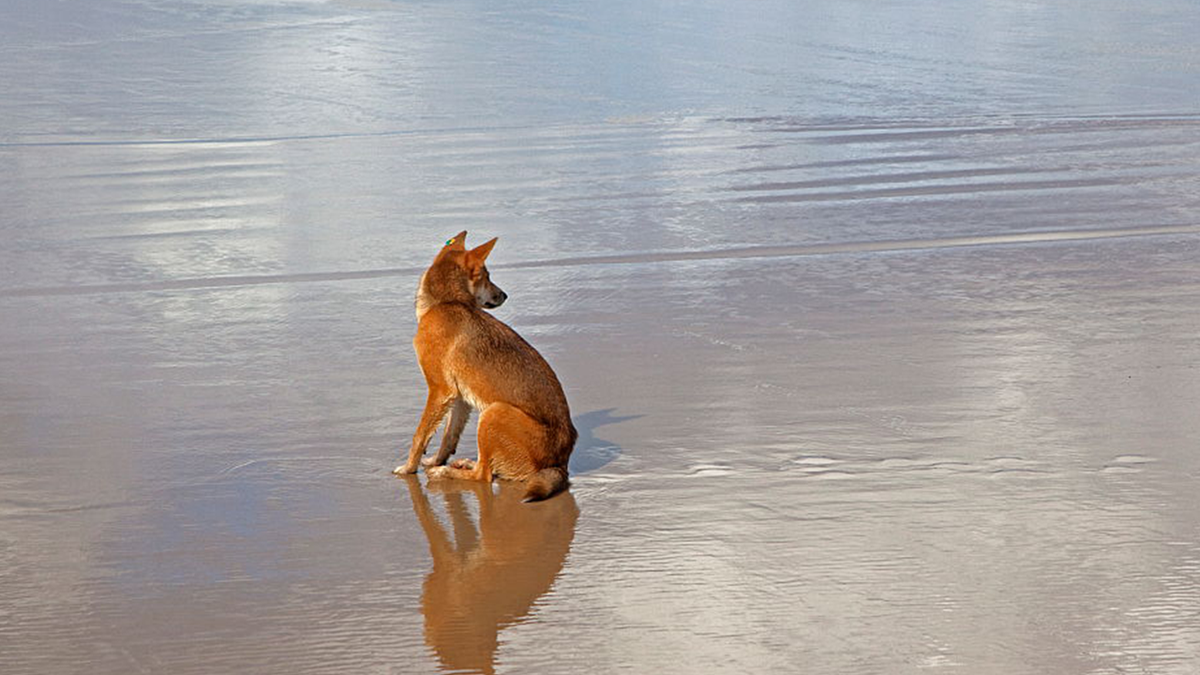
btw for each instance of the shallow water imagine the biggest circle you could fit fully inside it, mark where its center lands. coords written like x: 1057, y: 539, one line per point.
x: 878, y: 321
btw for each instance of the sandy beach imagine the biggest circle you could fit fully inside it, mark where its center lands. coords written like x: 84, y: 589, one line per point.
x: 879, y: 323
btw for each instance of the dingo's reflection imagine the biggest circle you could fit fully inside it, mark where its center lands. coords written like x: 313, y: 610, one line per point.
x: 488, y: 579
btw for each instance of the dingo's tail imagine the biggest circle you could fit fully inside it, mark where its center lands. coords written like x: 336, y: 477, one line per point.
x: 545, y: 483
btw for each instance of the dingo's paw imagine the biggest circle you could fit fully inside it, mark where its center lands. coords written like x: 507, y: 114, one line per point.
x: 403, y: 469
x: 437, y: 471
x: 467, y: 464
x: 430, y: 461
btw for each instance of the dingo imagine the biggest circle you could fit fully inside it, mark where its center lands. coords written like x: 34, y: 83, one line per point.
x: 472, y: 360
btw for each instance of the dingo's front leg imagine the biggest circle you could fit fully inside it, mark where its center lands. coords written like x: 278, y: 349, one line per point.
x: 460, y: 411
x: 436, y: 407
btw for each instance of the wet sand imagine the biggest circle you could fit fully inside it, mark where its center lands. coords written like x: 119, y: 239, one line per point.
x: 879, y: 328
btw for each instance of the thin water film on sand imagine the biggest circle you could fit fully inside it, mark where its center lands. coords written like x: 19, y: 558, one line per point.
x: 877, y: 320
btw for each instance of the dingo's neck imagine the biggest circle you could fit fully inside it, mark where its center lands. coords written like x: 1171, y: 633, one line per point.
x: 424, y: 300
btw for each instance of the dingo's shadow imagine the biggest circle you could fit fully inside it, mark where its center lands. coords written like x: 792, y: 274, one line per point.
x: 487, y: 578
x: 590, y: 452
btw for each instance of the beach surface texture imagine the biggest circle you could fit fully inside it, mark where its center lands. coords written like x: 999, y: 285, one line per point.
x: 879, y: 322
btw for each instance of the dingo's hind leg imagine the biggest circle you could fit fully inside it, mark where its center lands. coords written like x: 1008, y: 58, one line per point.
x: 508, y: 443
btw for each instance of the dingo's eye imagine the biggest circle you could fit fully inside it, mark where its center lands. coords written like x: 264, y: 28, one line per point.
x: 450, y: 241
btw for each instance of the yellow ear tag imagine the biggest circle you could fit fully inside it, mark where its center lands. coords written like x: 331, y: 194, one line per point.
x: 450, y: 241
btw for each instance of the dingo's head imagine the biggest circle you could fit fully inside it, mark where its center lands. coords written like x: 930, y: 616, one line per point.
x: 459, y: 275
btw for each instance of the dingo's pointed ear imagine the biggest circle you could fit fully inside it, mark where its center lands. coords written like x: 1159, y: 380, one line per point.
x: 458, y: 242
x: 480, y: 253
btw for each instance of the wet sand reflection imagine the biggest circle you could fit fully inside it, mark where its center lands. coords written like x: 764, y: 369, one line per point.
x: 487, y: 578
